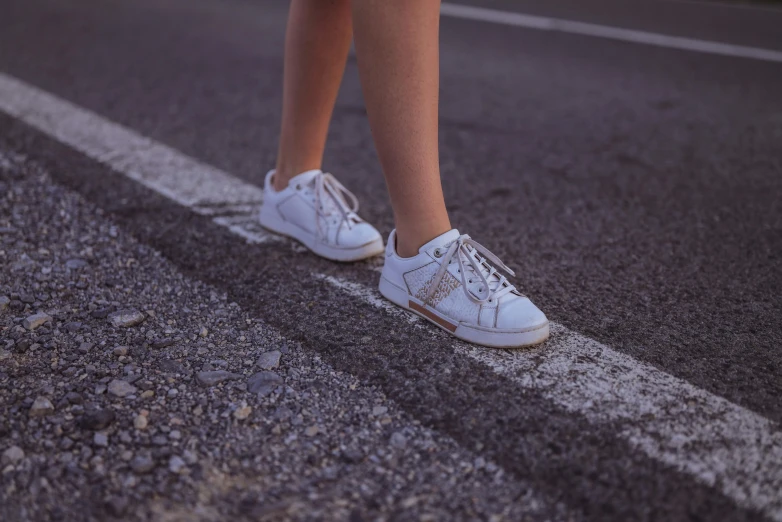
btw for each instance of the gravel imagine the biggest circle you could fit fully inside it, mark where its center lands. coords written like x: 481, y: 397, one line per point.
x: 179, y: 424
x: 34, y: 321
x: 269, y: 360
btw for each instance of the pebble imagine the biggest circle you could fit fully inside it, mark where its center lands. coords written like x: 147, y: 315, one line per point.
x: 41, y: 407
x: 126, y: 318
x: 203, y: 332
x: 379, y: 410
x: 97, y: 420
x: 74, y: 398
x: 263, y: 383
x: 4, y: 302
x: 398, y: 440
x: 85, y: 347
x: 121, y: 388
x: 140, y: 422
x: 12, y: 455
x: 75, y: 264
x: 269, y: 360
x: 311, y: 431
x: 36, y: 320
x: 176, y: 464
x: 243, y: 412
x: 121, y: 350
x: 117, y: 506
x: 211, y: 378
x: 100, y: 439
x: 148, y: 394
x: 142, y: 464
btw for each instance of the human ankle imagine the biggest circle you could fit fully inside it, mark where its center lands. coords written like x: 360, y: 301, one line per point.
x: 408, y: 243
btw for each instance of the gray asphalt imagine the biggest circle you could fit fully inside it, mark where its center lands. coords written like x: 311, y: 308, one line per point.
x: 635, y: 189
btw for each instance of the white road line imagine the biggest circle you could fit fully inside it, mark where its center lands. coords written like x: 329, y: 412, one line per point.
x: 183, y: 179
x: 728, y: 447
x: 720, y: 444
x: 604, y: 31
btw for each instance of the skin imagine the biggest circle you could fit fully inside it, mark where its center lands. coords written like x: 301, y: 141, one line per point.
x: 398, y: 60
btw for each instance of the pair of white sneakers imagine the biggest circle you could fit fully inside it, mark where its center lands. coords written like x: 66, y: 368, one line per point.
x: 452, y: 282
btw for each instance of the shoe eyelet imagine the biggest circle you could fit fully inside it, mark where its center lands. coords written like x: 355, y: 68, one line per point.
x: 298, y: 187
x: 438, y: 253
x: 469, y: 281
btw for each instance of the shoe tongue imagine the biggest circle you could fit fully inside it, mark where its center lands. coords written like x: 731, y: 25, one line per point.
x: 304, y: 177
x: 441, y: 240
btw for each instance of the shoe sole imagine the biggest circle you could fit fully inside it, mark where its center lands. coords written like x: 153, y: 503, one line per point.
x: 474, y: 334
x: 286, y: 229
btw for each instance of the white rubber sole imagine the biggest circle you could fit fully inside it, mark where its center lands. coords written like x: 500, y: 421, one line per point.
x: 471, y: 333
x: 279, y: 226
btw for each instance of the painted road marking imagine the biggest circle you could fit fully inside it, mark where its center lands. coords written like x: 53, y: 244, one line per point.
x: 604, y: 31
x: 203, y: 188
x: 721, y: 444
x: 730, y: 448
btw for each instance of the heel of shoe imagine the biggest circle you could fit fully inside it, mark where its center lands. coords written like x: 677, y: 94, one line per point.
x: 393, y: 293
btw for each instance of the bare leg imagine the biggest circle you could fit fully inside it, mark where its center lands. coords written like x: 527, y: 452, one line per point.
x: 397, y: 43
x: 316, y: 48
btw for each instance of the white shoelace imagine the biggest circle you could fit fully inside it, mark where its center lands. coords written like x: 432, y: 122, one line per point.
x: 327, y: 185
x: 463, y: 248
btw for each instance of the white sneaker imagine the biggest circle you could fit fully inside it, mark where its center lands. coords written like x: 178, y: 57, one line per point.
x: 451, y: 285
x: 320, y: 212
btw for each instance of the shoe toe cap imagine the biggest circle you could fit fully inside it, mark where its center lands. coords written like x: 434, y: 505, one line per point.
x: 519, y: 312
x: 358, y: 235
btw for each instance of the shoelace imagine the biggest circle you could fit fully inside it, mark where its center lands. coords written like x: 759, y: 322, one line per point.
x: 327, y: 185
x: 467, y: 248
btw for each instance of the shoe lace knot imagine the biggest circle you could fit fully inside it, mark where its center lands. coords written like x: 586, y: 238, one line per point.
x: 332, y: 197
x: 467, y: 253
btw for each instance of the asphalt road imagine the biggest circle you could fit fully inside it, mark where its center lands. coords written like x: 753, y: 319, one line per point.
x: 635, y: 189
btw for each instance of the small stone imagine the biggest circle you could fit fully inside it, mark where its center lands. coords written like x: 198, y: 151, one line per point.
x: 27, y: 298
x: 22, y: 345
x: 140, y: 422
x: 311, y: 431
x: 97, y: 420
x: 126, y: 318
x: 269, y: 360
x: 121, y: 350
x: 157, y: 344
x: 100, y: 439
x: 263, y: 383
x: 120, y: 388
x: 352, y: 456
x: 85, y: 347
x: 203, y: 332
x: 398, y: 440
x: 4, y: 302
x: 148, y: 394
x: 142, y: 464
x: 100, y: 389
x: 377, y: 411
x: 190, y: 457
x: 243, y: 412
x: 211, y: 378
x: 4, y: 354
x: 12, y: 455
x: 175, y: 435
x: 74, y: 398
x: 36, y: 320
x: 72, y: 327
x: 117, y: 506
x: 41, y: 407
x: 176, y: 464
x: 75, y: 264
